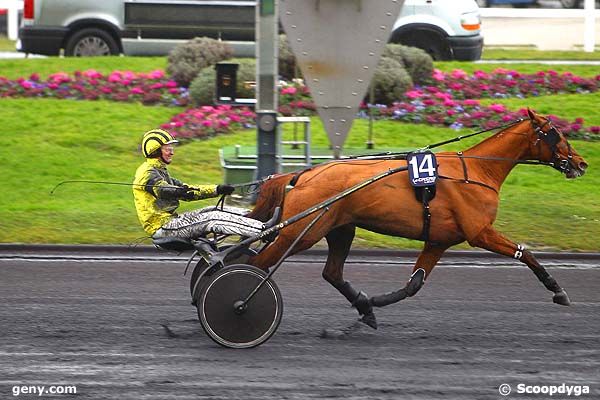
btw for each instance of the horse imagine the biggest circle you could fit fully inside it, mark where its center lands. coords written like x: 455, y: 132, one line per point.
x: 464, y: 207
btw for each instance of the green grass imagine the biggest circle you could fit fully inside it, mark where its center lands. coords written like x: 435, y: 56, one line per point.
x: 588, y: 71
x: 492, y: 53
x: 569, y: 106
x: 6, y: 44
x: 47, y: 141
x: 15, y: 68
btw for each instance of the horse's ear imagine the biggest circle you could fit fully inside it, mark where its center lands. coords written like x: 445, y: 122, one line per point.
x: 531, y: 114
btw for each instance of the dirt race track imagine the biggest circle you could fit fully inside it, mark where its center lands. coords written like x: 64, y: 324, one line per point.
x: 126, y: 330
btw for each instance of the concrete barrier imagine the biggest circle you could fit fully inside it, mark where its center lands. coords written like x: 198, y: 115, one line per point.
x: 585, y: 23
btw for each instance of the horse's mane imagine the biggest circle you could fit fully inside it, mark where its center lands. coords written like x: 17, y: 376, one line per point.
x: 271, y: 194
x: 493, y: 138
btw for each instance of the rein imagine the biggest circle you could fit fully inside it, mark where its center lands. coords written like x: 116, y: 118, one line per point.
x: 552, y: 138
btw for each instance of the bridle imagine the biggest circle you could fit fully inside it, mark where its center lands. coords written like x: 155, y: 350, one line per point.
x: 552, y: 137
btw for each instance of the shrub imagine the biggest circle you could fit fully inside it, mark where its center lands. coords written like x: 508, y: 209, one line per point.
x: 288, y: 69
x: 202, y: 89
x: 417, y: 62
x: 390, y: 81
x: 187, y: 59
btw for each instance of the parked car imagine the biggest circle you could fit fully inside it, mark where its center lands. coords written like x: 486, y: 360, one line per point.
x: 514, y: 3
x: 528, y: 3
x: 447, y: 29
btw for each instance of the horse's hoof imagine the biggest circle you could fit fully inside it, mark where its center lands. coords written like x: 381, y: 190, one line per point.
x: 417, y: 279
x: 561, y: 298
x: 370, y: 320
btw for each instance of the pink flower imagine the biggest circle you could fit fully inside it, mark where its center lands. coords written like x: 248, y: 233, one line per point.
x: 438, y: 75
x: 458, y: 74
x: 206, y: 123
x: 156, y: 85
x: 59, y: 77
x: 92, y: 73
x: 125, y: 82
x: 34, y: 77
x: 481, y: 75
x: 174, y: 91
x: 136, y: 90
x: 114, y: 77
x: 497, y: 108
x: 106, y: 89
x: 156, y: 74
x: 449, y: 103
x: 450, y: 112
x: 171, y: 84
x: 414, y: 94
x: 53, y: 86
x: 471, y: 102
x: 26, y: 84
x: 289, y: 90
x: 443, y: 95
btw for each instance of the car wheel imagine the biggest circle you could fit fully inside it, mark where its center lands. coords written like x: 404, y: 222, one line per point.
x: 570, y: 3
x: 433, y: 43
x: 91, y: 42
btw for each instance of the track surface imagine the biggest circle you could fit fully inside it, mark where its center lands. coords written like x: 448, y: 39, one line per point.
x: 126, y: 330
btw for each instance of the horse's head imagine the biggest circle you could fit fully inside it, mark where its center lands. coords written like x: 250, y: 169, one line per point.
x: 551, y: 146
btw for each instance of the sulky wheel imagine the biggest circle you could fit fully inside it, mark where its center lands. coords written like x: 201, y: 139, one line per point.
x: 197, y: 282
x: 221, y: 316
x: 200, y: 278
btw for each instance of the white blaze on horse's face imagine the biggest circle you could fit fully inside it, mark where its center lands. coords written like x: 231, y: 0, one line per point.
x: 561, y: 154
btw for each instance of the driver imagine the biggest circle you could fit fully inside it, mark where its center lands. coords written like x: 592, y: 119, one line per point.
x: 157, y: 195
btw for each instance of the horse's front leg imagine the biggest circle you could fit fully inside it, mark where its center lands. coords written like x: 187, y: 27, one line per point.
x: 428, y: 258
x: 492, y: 240
x: 339, y: 241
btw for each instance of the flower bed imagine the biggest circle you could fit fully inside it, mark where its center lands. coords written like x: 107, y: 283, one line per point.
x: 450, y: 100
x: 504, y: 83
x: 435, y: 107
x: 207, y: 121
x: 150, y: 88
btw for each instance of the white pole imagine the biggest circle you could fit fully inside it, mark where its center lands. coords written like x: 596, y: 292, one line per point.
x: 12, y: 20
x: 589, y: 39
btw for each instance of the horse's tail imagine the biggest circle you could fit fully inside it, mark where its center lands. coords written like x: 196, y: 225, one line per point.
x: 270, y: 196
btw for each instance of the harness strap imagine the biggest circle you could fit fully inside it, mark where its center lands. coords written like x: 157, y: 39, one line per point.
x: 485, y: 185
x: 426, y: 214
x: 464, y: 166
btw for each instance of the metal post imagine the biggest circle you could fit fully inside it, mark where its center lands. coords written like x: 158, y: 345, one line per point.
x: 589, y: 40
x: 266, y: 87
x: 370, y: 110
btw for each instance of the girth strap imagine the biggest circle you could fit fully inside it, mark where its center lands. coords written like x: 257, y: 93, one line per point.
x: 464, y: 166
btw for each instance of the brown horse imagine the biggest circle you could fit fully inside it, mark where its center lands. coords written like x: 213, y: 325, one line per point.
x: 463, y: 209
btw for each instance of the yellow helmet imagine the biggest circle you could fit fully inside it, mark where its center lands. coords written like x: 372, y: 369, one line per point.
x: 154, y: 139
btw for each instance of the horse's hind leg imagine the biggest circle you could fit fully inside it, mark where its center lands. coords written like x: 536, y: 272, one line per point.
x: 428, y: 258
x: 339, y: 241
x: 492, y: 240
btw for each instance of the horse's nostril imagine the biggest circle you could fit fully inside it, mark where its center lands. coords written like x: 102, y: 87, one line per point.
x: 583, y: 166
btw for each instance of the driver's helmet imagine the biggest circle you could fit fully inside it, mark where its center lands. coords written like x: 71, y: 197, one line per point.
x: 153, y: 140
